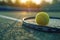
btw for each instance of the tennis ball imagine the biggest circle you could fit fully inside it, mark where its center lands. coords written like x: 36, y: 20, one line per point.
x: 42, y: 18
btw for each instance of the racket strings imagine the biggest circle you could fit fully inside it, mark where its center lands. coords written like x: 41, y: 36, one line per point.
x: 52, y: 22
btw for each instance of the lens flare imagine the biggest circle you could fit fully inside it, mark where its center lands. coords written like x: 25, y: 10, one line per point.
x: 37, y: 1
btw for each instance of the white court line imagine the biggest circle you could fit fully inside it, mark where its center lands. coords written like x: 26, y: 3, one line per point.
x: 10, y: 18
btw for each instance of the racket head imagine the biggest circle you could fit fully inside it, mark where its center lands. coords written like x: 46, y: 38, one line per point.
x: 53, y: 26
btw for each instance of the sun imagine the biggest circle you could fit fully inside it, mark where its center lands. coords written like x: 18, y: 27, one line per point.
x: 37, y: 1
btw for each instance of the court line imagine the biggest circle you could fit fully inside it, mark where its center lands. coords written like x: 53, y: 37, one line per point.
x: 10, y: 18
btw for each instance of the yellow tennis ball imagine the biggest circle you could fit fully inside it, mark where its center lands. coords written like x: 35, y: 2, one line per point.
x: 42, y: 18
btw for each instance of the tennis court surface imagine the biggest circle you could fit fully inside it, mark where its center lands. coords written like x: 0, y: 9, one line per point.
x: 12, y: 30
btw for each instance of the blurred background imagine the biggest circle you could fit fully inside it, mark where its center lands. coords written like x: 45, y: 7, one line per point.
x: 32, y: 5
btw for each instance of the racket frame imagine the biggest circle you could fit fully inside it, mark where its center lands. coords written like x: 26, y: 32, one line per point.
x: 41, y: 28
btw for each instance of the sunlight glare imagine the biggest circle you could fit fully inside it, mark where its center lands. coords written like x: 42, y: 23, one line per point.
x: 23, y: 1
x: 5, y: 1
x: 37, y: 1
x: 13, y: 1
x: 49, y: 1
